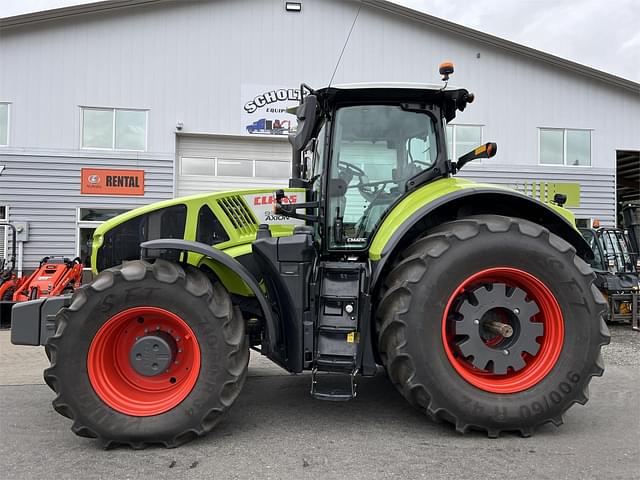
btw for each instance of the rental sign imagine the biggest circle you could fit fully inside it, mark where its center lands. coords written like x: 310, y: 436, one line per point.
x: 102, y: 181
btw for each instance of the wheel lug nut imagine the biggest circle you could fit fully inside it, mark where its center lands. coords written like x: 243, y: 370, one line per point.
x: 516, y: 311
x: 506, y: 352
x: 476, y: 322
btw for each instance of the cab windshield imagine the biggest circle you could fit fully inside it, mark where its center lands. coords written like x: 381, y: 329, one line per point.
x: 376, y: 149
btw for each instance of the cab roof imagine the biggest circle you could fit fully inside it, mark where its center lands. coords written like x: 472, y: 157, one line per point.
x: 449, y: 99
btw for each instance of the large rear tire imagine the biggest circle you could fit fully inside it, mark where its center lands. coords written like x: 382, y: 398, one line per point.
x: 446, y: 296
x: 149, y: 353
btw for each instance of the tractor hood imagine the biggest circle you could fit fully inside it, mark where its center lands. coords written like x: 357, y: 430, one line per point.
x: 223, y: 219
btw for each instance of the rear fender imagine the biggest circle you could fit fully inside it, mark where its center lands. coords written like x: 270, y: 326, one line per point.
x: 227, y: 263
x: 413, y: 219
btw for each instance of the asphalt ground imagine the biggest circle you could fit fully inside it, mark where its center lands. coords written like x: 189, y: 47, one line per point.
x: 276, y: 430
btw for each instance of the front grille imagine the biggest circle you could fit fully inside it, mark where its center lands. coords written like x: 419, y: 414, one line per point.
x: 239, y: 214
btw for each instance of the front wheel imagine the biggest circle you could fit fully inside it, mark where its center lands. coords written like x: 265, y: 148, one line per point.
x: 147, y: 354
x: 492, y: 323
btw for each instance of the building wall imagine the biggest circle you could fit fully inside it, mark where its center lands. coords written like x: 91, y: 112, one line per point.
x: 44, y: 190
x: 187, y: 61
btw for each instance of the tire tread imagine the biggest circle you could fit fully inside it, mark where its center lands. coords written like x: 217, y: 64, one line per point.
x: 411, y: 268
x: 197, y: 285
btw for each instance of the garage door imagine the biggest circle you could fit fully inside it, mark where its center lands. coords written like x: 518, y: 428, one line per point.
x: 210, y: 163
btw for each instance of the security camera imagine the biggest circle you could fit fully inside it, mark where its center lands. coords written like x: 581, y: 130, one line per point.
x: 179, y: 125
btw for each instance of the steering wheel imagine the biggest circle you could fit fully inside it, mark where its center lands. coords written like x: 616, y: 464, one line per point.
x: 349, y: 170
x: 370, y: 191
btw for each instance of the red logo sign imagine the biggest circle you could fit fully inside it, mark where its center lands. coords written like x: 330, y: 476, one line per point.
x: 101, y: 181
x: 269, y: 199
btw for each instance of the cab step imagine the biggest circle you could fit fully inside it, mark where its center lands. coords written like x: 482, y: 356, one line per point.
x: 333, y: 386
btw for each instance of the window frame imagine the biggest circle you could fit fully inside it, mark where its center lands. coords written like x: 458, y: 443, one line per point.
x: 564, y: 147
x: 9, y: 105
x: 454, y: 153
x: 216, y: 159
x: 113, y: 128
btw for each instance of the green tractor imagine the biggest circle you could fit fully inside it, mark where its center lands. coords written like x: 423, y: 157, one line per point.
x: 477, y: 300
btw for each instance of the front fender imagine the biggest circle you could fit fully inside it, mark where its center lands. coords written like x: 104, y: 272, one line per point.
x: 452, y: 198
x: 228, y: 262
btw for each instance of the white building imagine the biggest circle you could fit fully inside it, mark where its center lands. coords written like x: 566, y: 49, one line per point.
x: 180, y: 91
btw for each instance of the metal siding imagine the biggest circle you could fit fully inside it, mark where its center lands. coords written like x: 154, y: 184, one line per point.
x: 45, y: 191
x: 597, y: 185
x: 186, y: 61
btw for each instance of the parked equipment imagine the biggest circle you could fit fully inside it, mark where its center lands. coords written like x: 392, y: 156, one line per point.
x: 54, y: 276
x: 617, y: 273
x: 631, y: 221
x: 477, y: 300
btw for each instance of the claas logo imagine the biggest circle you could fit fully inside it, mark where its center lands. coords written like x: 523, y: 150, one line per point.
x: 269, y: 199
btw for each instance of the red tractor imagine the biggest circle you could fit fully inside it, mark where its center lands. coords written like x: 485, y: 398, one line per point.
x: 55, y: 276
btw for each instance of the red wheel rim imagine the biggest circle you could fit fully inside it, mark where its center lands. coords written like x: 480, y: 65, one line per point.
x: 119, y: 385
x: 538, y: 366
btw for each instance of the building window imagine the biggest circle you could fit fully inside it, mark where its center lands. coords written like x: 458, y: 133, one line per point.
x: 4, y: 124
x: 237, y: 167
x: 88, y: 219
x: 462, y: 139
x: 234, y: 168
x: 114, y: 129
x: 561, y: 146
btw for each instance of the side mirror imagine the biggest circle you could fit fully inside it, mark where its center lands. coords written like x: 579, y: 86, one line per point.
x: 487, y: 150
x: 307, y: 113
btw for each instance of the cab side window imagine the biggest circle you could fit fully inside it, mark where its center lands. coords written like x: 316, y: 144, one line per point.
x: 209, y: 230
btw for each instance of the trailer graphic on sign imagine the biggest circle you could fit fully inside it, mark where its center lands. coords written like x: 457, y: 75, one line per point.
x: 264, y: 109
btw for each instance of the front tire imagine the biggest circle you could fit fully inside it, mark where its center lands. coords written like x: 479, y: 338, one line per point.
x: 446, y: 296
x: 149, y: 353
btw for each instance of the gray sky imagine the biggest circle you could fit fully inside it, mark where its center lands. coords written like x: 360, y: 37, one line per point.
x: 604, y: 34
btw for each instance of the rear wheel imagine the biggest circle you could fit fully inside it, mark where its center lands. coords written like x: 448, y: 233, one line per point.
x: 147, y: 354
x: 492, y: 323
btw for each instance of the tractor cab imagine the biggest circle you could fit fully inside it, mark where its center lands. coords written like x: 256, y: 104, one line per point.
x: 360, y: 148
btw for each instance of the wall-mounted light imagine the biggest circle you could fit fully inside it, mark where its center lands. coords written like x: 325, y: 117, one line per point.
x: 293, y: 6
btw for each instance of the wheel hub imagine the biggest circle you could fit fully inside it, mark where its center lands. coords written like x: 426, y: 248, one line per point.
x: 153, y: 354
x: 495, y: 320
x: 143, y: 361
